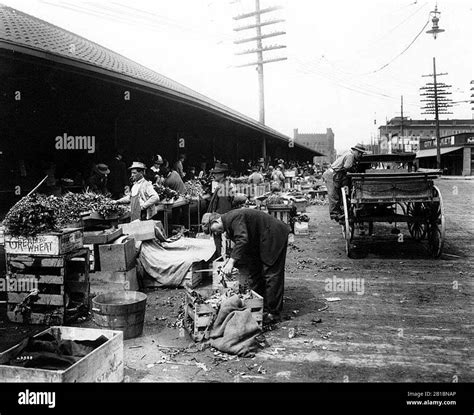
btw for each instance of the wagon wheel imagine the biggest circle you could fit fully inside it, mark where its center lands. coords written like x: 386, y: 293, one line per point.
x: 437, y: 225
x: 347, y: 226
x: 417, y: 229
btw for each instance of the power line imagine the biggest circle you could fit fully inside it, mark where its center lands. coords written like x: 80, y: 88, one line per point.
x: 403, y: 51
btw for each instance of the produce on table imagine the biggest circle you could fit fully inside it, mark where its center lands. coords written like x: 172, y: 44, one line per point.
x: 39, y: 213
x: 275, y: 199
x: 194, y: 188
x: 165, y: 193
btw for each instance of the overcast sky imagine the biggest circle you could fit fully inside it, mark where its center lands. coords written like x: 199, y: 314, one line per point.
x: 336, y: 75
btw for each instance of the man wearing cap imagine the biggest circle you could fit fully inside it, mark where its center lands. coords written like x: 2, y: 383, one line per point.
x: 97, y: 182
x: 336, y: 178
x: 261, y: 242
x: 222, y: 196
x: 143, y: 197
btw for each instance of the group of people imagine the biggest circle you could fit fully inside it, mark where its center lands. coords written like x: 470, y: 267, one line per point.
x: 259, y: 239
x: 112, y: 178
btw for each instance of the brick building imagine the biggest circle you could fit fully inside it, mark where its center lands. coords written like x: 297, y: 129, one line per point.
x: 322, y: 143
x: 409, y: 135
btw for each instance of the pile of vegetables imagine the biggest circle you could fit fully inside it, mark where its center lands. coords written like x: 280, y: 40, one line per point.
x: 165, y: 193
x: 39, y: 213
x: 194, y: 188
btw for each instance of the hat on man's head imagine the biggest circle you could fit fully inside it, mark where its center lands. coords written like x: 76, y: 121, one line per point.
x: 220, y: 168
x: 137, y: 165
x: 102, y: 168
x: 158, y: 159
x: 207, y: 220
x: 359, y: 147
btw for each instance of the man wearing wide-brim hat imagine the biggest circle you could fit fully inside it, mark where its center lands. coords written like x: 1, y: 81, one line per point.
x: 336, y: 178
x: 142, y: 197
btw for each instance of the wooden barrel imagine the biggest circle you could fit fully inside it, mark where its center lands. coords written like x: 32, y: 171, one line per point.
x: 120, y: 310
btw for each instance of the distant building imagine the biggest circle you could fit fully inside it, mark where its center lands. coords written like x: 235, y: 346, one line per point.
x: 323, y: 143
x: 457, y: 154
x: 409, y: 135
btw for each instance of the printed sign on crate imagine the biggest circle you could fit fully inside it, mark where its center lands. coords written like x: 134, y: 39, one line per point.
x: 54, y: 243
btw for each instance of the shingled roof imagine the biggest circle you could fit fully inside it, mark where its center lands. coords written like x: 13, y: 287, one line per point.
x: 25, y: 33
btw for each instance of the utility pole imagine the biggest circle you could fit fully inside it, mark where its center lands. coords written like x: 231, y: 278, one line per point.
x: 260, y: 49
x: 401, y: 124
x: 437, y: 102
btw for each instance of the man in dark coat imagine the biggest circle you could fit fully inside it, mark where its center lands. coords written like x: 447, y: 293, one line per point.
x: 260, y: 243
x: 117, y: 181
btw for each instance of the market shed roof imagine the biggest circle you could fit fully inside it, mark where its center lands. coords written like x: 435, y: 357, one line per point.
x: 27, y: 34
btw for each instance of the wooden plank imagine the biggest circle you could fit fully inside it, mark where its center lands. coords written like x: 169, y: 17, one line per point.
x: 102, y: 237
x: 43, y: 299
x: 28, y: 261
x: 40, y: 279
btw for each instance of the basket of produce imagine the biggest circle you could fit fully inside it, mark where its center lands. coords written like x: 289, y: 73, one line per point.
x: 36, y: 214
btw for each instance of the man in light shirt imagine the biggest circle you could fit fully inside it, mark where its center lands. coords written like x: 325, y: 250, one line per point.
x: 143, y: 197
x: 336, y: 178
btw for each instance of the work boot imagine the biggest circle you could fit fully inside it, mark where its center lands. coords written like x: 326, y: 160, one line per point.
x: 269, y: 318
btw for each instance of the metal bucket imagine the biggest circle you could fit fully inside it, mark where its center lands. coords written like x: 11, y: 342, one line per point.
x: 120, y: 310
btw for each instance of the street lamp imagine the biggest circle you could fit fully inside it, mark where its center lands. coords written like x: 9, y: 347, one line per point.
x: 434, y: 31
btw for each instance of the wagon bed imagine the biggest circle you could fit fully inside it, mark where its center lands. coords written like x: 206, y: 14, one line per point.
x: 395, y: 195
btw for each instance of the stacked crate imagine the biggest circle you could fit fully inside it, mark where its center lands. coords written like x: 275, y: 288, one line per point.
x: 117, y: 266
x: 47, y: 278
x: 281, y: 212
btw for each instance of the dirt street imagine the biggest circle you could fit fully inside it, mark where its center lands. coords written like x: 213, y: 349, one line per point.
x: 406, y: 318
x: 409, y: 318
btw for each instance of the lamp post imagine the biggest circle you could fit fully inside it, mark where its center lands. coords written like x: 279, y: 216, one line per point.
x: 434, y: 31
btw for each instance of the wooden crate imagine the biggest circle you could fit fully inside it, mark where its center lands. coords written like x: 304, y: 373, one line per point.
x: 54, y: 243
x: 195, y: 275
x: 62, y: 282
x: 104, y: 364
x: 105, y: 281
x: 141, y: 230
x: 301, y: 228
x: 239, y: 278
x: 102, y: 237
x: 281, y: 212
x: 118, y: 256
x: 199, y: 317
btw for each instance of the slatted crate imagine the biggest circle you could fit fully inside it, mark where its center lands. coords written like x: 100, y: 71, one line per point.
x: 200, y: 317
x: 281, y: 212
x: 62, y: 282
x: 198, y: 272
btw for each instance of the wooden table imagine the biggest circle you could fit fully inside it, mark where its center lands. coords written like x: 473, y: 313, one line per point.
x: 167, y: 208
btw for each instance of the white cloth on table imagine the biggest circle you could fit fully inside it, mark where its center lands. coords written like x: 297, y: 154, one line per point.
x: 167, y: 263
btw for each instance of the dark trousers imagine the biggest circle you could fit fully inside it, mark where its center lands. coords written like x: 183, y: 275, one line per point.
x: 268, y: 280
